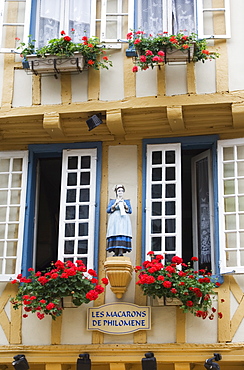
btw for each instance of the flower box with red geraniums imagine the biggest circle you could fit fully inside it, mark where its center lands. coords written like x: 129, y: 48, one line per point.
x: 163, y: 48
x: 63, y: 54
x: 42, y: 291
x: 177, y: 280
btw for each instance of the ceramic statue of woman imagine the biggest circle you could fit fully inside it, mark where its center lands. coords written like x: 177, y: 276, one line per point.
x: 119, y: 232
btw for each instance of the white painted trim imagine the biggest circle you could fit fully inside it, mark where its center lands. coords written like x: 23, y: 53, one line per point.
x: 24, y: 156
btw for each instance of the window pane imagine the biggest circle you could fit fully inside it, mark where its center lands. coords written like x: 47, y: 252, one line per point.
x: 70, y: 230
x: 1, y: 248
x: 156, y: 191
x: 14, y: 213
x: 71, y: 196
x: 156, y: 244
x: 72, y: 163
x: 70, y: 213
x: 170, y: 173
x: 156, y: 226
x: 84, y: 212
x: 170, y: 208
x: 72, y: 179
x: 170, y: 243
x: 228, y: 154
x: 240, y: 152
x: 241, y: 186
x: 4, y: 165
x: 3, y: 196
x: 230, y: 222
x: 170, y: 156
x: 85, y: 162
x: 3, y: 213
x: 156, y: 208
x: 16, y: 180
x: 49, y: 20
x: 84, y: 195
x: 82, y: 246
x: 240, y: 168
x: 229, y: 187
x: 241, y: 203
x: 241, y: 221
x: 13, y: 231
x: 10, y: 266
x: 85, y: 178
x: 170, y: 225
x: 11, y: 248
x: 156, y: 174
x: 17, y: 164
x: 69, y: 247
x: 83, y: 229
x: 231, y: 258
x: 157, y: 157
x: 15, y: 197
x: 229, y: 170
x: 4, y: 181
x: 170, y: 191
x: 230, y: 204
x: 230, y: 239
x: 79, y: 18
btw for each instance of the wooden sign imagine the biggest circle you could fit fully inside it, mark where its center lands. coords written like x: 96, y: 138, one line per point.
x: 119, y: 318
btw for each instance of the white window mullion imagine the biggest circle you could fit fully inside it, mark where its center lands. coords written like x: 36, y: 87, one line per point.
x: 25, y: 24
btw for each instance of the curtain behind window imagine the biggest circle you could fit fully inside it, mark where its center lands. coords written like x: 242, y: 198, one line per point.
x: 49, y: 21
x: 80, y: 18
x: 183, y: 16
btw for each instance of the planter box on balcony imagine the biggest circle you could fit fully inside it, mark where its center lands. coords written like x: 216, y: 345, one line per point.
x: 54, y: 64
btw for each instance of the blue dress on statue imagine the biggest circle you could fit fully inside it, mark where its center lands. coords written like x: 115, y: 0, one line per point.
x: 119, y: 232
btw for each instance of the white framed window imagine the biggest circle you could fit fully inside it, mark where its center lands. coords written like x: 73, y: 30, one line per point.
x: 21, y: 23
x: 65, y: 188
x: 174, y: 16
x: 77, y: 206
x: 179, y: 200
x: 231, y: 204
x: 163, y: 199
x: 13, y: 174
x: 52, y: 17
x: 114, y: 20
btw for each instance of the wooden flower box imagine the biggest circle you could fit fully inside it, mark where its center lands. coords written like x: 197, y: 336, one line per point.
x: 54, y: 64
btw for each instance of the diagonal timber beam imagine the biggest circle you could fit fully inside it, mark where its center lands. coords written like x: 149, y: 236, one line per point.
x: 114, y: 122
x: 175, y: 117
x: 52, y: 125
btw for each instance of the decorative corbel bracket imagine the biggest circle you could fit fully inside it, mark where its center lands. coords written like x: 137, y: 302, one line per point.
x: 119, y: 273
x: 52, y: 124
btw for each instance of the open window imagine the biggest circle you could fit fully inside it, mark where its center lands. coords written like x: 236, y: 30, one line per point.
x: 62, y: 211
x: 179, y: 215
x: 13, y: 174
x: 231, y: 205
x: 174, y: 16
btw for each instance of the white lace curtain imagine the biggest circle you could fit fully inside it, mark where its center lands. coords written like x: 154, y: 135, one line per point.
x: 173, y: 16
x: 55, y: 16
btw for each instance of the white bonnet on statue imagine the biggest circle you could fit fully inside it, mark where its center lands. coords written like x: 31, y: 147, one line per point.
x: 116, y: 187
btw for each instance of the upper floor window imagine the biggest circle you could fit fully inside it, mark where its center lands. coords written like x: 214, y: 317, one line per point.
x: 110, y: 20
x: 172, y: 16
x: 49, y: 18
